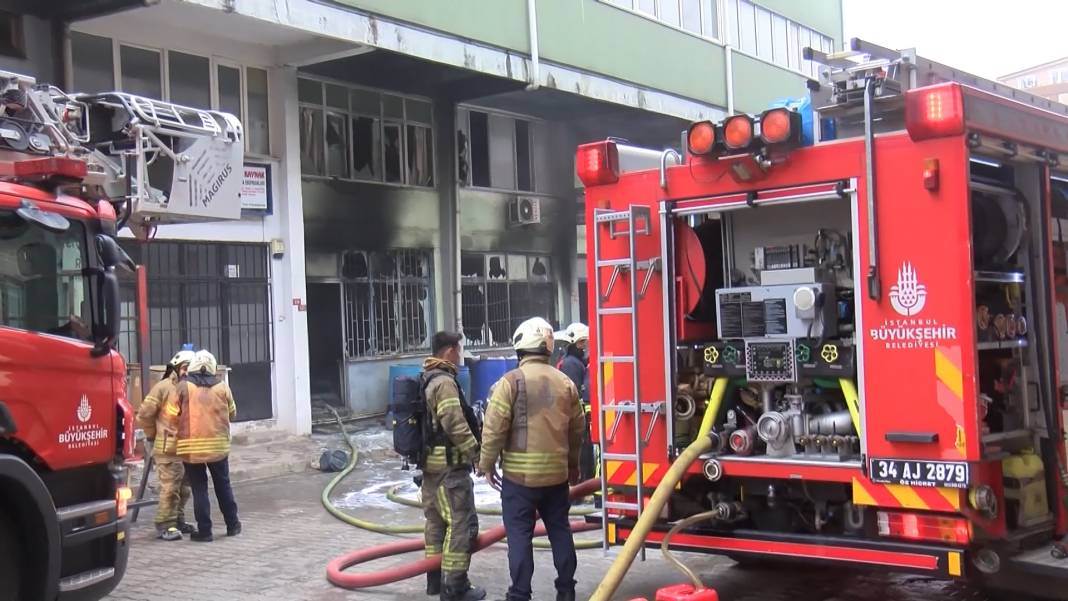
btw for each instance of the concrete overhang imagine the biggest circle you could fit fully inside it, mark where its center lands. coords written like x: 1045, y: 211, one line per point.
x: 350, y: 32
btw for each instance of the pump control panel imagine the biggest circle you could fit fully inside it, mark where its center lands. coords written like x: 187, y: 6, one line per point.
x: 770, y: 361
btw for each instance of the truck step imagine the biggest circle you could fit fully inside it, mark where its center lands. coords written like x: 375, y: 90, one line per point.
x: 81, y: 510
x: 619, y: 456
x: 615, y: 310
x: 85, y: 579
x: 621, y: 505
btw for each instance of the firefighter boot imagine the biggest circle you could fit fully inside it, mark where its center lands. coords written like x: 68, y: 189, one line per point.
x: 462, y: 592
x: 433, y: 582
x: 170, y: 534
x: 565, y: 595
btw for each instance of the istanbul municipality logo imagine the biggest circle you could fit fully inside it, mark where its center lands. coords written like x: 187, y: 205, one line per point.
x: 85, y: 410
x: 908, y: 295
x: 83, y: 435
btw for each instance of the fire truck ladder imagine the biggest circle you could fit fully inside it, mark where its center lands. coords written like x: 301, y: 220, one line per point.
x: 637, y: 223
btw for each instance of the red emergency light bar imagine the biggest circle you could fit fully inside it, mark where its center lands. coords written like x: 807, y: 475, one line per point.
x: 774, y: 131
x: 44, y: 168
x: 597, y: 163
x: 934, y: 112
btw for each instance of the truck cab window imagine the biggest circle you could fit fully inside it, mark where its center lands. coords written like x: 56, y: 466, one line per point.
x: 42, y: 288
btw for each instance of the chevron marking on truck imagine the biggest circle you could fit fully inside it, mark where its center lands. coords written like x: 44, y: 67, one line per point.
x: 623, y: 473
x: 950, y: 391
x: 909, y: 497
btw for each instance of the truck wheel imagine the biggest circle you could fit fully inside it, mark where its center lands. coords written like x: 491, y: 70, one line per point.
x: 10, y: 570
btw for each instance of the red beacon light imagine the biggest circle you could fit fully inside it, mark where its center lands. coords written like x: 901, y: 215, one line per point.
x: 701, y: 138
x: 780, y: 127
x: 738, y: 132
x: 597, y: 163
x: 934, y: 111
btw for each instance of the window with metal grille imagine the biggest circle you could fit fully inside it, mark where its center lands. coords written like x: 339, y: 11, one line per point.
x: 388, y: 307
x: 215, y: 296
x: 500, y: 291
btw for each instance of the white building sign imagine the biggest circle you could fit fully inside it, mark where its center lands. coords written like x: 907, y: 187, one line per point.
x: 256, y: 187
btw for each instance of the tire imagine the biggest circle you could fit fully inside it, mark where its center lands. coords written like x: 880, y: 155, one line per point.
x: 10, y: 568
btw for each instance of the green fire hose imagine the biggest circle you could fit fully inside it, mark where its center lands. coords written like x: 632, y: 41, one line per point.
x: 394, y: 496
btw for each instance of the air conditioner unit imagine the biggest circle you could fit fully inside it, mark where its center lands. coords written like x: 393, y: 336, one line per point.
x: 524, y: 210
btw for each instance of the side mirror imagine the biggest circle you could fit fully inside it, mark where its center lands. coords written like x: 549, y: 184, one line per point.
x: 112, y: 255
x: 110, y: 310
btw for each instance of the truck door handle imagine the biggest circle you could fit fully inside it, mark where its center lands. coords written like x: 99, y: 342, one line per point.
x: 916, y: 437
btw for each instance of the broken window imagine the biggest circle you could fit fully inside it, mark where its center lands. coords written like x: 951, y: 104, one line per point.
x: 387, y: 302
x: 311, y: 141
x: 392, y: 150
x: 371, y: 136
x: 337, y: 145
x: 420, y: 156
x: 366, y: 148
x: 501, y: 291
x: 480, y: 150
x: 503, y: 152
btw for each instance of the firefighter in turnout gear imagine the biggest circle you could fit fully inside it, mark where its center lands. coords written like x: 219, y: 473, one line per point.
x: 158, y: 418
x: 206, y: 407
x: 575, y: 365
x: 534, y: 425
x: 447, y: 490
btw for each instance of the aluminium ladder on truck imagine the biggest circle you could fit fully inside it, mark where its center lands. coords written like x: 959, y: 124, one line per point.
x: 637, y: 222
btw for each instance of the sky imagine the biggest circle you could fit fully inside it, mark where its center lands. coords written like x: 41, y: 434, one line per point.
x: 989, y: 38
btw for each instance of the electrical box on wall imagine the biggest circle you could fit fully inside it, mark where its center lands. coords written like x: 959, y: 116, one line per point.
x: 524, y: 210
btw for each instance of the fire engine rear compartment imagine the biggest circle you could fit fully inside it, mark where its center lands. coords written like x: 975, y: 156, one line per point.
x: 779, y: 318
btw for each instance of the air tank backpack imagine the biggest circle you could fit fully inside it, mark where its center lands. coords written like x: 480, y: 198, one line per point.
x: 414, y: 432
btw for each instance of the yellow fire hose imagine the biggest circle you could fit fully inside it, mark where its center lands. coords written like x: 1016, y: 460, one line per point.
x: 651, y: 512
x: 666, y: 543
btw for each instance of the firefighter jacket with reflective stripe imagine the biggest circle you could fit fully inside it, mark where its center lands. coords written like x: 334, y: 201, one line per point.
x: 451, y: 433
x: 158, y: 417
x: 534, y: 424
x: 205, y: 409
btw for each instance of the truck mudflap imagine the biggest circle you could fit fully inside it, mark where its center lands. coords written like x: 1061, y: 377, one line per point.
x: 932, y: 560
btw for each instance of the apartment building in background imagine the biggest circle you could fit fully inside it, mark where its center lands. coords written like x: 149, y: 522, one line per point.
x: 412, y: 162
x: 1049, y: 80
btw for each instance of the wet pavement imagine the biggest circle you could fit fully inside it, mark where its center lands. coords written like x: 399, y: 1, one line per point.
x: 288, y: 538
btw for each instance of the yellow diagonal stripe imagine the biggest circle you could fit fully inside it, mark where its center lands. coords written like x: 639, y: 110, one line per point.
x: 906, y: 496
x: 647, y: 471
x: 861, y: 496
x: 949, y: 374
x: 612, y: 467
x: 952, y: 495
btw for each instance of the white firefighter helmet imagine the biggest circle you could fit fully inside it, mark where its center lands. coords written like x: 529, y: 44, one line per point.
x: 574, y: 333
x: 203, y: 362
x: 181, y: 357
x: 534, y: 335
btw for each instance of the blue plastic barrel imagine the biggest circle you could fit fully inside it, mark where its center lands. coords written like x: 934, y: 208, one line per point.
x: 485, y: 374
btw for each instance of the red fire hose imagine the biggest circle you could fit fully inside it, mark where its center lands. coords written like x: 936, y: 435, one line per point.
x: 335, y: 570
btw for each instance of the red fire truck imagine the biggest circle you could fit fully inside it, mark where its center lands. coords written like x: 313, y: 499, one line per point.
x: 866, y: 331
x: 73, y: 171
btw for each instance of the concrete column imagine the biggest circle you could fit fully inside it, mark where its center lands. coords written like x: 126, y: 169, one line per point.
x: 448, y: 307
x: 291, y: 368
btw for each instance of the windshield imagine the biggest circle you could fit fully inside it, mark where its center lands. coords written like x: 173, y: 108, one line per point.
x: 42, y: 288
